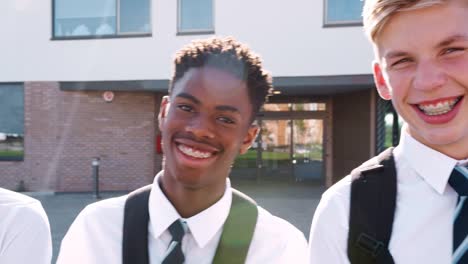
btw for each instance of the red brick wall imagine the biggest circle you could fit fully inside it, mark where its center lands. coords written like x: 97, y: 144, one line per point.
x: 65, y: 130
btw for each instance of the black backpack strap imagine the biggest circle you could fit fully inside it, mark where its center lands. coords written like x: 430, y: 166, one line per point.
x: 135, y: 227
x: 238, y: 230
x: 372, y: 210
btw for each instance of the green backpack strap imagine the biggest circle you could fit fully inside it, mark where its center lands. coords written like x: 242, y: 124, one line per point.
x: 237, y: 230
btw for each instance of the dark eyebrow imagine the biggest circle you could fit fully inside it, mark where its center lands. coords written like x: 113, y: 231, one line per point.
x: 189, y: 97
x: 198, y: 102
x: 452, y: 39
x: 227, y: 108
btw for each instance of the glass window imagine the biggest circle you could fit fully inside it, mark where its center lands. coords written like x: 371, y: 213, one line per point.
x: 134, y: 16
x: 82, y: 18
x: 309, y: 107
x: 11, y: 121
x: 195, y: 15
x: 388, y: 125
x: 294, y: 107
x: 339, y: 12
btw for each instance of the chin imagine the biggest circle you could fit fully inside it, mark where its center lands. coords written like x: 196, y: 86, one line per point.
x: 445, y: 138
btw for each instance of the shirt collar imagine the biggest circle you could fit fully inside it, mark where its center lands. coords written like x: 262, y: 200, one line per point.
x: 203, y: 225
x: 434, y: 167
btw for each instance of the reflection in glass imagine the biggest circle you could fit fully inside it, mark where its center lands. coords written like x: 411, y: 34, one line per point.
x: 195, y: 15
x: 308, y: 149
x: 276, y: 148
x: 134, y: 16
x: 85, y: 17
x: 100, y: 18
x: 339, y: 11
x: 11, y: 122
x: 392, y: 130
x: 294, y: 107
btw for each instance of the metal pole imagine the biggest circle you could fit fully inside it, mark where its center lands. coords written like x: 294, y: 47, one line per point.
x: 95, y: 165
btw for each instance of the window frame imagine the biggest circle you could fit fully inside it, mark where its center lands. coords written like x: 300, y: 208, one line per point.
x: 107, y: 36
x: 4, y: 159
x: 341, y: 23
x: 181, y: 31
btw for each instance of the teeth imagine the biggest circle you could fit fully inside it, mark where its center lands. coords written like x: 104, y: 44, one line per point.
x: 439, y: 108
x: 193, y: 153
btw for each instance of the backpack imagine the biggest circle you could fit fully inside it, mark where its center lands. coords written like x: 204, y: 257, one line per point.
x: 372, y: 210
x: 235, y: 239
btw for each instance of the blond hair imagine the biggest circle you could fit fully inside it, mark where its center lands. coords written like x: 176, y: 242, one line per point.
x: 377, y: 12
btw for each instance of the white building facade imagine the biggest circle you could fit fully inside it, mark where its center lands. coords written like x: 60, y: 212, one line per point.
x: 59, y: 57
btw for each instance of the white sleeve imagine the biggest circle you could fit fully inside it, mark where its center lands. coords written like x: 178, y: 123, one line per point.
x: 295, y: 250
x: 73, y: 247
x: 95, y: 236
x: 28, y: 239
x: 329, y: 231
x: 276, y: 241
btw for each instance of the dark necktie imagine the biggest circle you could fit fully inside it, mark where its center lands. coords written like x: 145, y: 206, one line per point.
x: 174, y: 253
x: 459, y: 182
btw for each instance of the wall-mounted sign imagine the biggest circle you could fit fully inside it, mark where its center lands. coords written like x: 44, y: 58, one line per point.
x: 108, y: 96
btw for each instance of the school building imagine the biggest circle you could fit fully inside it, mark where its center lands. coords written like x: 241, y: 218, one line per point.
x: 83, y: 79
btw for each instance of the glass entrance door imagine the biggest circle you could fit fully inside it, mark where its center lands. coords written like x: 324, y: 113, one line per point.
x: 291, y: 149
x: 307, y: 153
x: 275, y: 152
x: 289, y: 146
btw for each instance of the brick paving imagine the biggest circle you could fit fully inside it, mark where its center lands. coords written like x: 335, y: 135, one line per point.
x: 291, y: 201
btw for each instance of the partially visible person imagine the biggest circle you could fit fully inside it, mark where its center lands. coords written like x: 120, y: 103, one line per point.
x: 421, y: 64
x: 24, y: 230
x: 193, y: 215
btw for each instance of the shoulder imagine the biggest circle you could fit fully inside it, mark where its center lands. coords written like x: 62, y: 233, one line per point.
x: 97, y: 214
x: 270, y: 226
x: 335, y: 200
x: 99, y: 219
x: 96, y: 233
x: 340, y: 191
x: 276, y: 240
x: 24, y: 227
x: 14, y: 199
x: 22, y: 209
x: 338, y: 194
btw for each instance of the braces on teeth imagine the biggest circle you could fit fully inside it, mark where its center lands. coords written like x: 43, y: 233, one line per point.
x: 439, y: 108
x: 194, y: 153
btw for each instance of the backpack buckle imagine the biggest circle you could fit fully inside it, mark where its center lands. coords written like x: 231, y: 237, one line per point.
x: 369, y: 244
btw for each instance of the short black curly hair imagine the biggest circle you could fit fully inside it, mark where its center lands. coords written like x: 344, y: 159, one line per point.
x: 227, y: 54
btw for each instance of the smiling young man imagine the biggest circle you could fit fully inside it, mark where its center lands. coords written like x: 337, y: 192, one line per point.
x: 193, y: 214
x: 421, y: 51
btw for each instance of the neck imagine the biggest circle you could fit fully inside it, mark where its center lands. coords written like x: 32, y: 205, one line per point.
x: 189, y: 200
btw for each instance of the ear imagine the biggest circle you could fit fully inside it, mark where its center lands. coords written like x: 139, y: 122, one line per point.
x: 249, y: 138
x: 163, y: 109
x: 382, y: 87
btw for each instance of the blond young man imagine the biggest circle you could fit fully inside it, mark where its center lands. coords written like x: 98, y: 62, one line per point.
x: 421, y: 64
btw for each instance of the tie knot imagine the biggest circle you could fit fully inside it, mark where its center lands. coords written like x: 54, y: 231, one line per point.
x: 177, y: 230
x: 459, y: 180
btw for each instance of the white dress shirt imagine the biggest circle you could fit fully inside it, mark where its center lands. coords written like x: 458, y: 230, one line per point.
x: 96, y: 234
x: 24, y: 230
x: 425, y: 206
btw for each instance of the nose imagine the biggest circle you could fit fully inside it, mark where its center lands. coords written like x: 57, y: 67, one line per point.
x: 429, y: 75
x: 201, y: 126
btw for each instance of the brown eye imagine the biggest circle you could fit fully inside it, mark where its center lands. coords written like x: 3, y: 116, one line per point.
x: 185, y: 108
x: 226, y: 120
